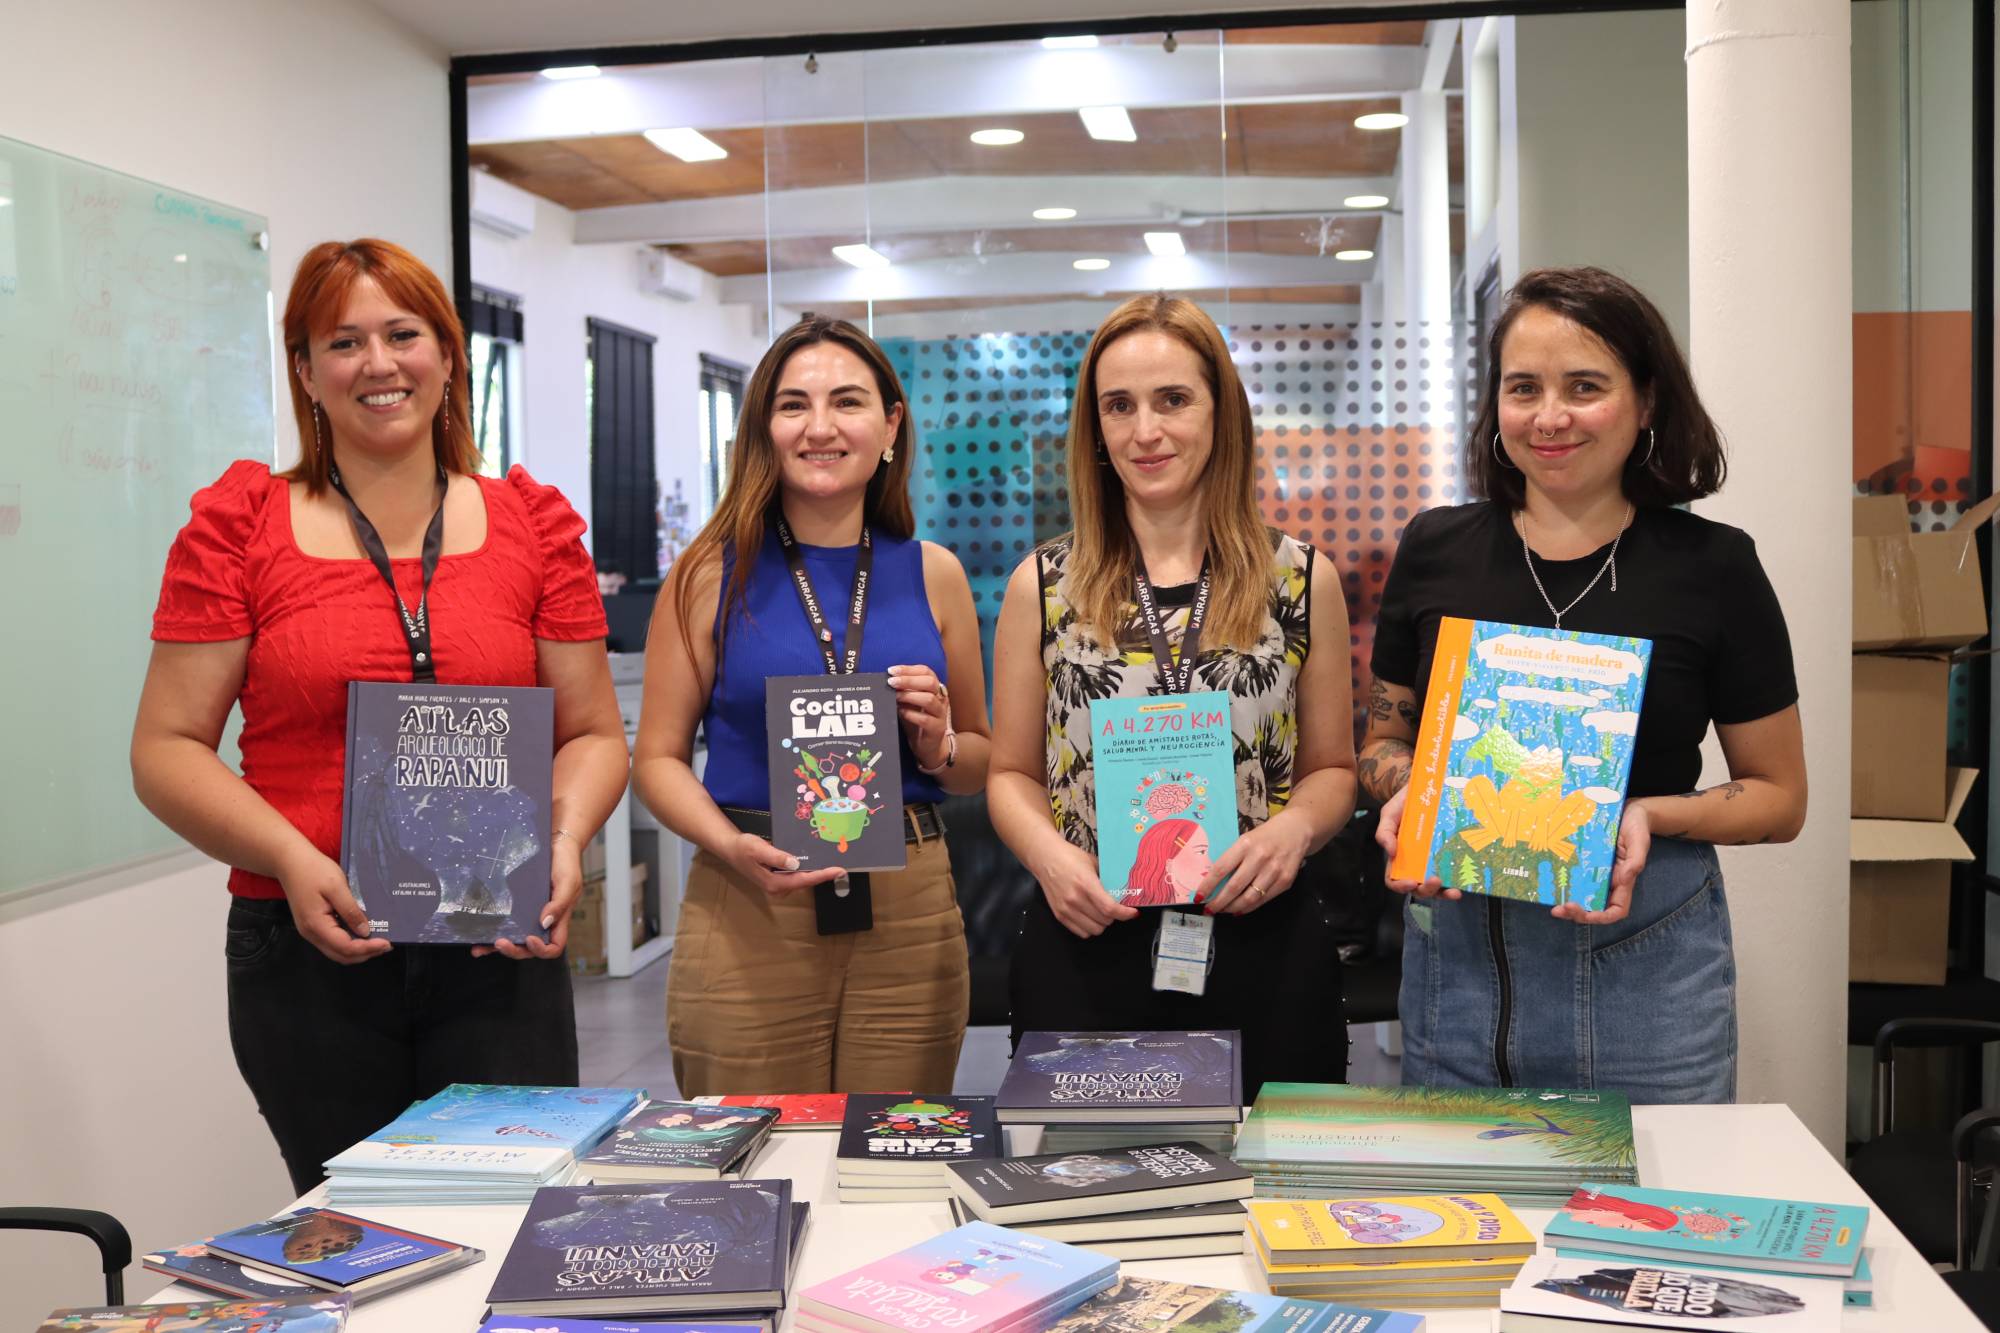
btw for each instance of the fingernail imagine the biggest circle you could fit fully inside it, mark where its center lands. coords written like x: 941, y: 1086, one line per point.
x: 791, y: 863
x: 548, y: 923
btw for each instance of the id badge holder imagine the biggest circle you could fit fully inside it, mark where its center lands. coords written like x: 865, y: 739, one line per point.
x: 1183, y: 952
x: 844, y: 905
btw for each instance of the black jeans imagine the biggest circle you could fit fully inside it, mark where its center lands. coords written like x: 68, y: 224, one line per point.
x: 333, y: 1053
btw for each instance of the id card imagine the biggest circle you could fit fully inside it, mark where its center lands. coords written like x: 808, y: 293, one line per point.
x: 1183, y: 951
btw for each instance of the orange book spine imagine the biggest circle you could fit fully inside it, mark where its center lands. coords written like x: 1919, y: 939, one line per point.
x: 1433, y: 749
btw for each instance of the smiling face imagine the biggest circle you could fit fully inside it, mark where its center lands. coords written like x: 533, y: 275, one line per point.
x: 829, y: 425
x: 1156, y: 415
x: 1569, y: 412
x: 379, y: 375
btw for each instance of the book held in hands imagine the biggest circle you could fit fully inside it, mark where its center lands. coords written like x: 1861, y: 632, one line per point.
x: 1165, y: 772
x: 836, y: 770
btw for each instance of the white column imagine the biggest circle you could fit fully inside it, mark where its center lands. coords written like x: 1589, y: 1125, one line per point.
x: 1426, y: 183
x: 1771, y: 293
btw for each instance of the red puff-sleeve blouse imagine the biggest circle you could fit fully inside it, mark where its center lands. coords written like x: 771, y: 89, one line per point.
x: 315, y: 624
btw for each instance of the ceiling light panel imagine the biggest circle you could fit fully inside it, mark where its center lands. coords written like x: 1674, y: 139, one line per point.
x: 1108, y: 122
x: 1090, y: 265
x: 1054, y: 214
x: 687, y: 145
x: 997, y: 138
x: 1166, y: 244
x: 1381, y: 120
x: 1084, y: 43
x: 861, y: 256
x: 1366, y: 201
x: 1353, y: 256
x: 561, y: 73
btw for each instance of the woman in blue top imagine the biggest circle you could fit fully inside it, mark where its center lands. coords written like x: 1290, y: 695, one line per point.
x: 758, y: 1000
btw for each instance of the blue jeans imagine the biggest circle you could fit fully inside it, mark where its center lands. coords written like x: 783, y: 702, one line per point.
x: 1498, y: 993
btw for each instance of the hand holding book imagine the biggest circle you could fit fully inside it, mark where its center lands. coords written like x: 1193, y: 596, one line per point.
x: 1388, y: 827
x: 565, y: 887
x: 1635, y: 843
x: 1258, y: 866
x: 324, y: 908
x: 1068, y: 876
x: 774, y: 871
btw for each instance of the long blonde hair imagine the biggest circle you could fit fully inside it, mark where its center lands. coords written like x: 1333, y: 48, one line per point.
x: 737, y: 526
x: 1104, y: 555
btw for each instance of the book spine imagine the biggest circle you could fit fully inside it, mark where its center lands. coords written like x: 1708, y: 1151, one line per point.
x: 1433, y: 753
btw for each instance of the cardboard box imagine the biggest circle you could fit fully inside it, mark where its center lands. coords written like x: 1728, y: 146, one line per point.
x: 1900, y: 892
x: 1916, y: 589
x: 640, y: 931
x: 586, y: 929
x: 1900, y: 727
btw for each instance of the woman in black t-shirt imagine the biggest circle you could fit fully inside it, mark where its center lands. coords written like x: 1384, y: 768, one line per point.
x: 1589, y: 434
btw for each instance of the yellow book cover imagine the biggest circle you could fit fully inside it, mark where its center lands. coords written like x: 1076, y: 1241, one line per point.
x: 1301, y: 1235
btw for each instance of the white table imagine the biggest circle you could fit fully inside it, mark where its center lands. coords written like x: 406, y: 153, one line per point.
x: 1731, y: 1149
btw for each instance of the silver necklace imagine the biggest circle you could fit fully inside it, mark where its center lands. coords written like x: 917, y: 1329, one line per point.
x: 1610, y: 563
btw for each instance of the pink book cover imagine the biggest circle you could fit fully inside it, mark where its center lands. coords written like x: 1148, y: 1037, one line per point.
x: 977, y: 1277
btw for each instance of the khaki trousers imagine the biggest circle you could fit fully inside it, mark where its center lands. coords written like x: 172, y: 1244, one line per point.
x: 759, y: 1002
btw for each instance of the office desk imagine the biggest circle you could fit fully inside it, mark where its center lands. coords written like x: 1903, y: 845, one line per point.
x: 1732, y: 1149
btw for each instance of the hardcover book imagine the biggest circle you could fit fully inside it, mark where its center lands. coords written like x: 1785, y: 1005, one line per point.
x: 320, y: 1313
x: 445, y: 816
x: 1124, y: 1076
x: 514, y: 1323
x: 678, y: 1141
x: 1556, y: 1295
x: 193, y: 1266
x: 642, y: 1249
x: 796, y: 1110
x: 1222, y: 1218
x: 835, y: 751
x: 1166, y: 793
x: 1148, y: 1305
x: 1408, y: 1227
x: 489, y: 1130
x: 898, y: 1135
x: 977, y: 1277
x: 1713, y: 1230
x: 337, y: 1252
x: 1027, y: 1189
x: 1522, y: 757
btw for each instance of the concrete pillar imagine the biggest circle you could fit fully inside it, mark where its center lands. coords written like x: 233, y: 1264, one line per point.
x: 1426, y: 182
x: 1771, y: 331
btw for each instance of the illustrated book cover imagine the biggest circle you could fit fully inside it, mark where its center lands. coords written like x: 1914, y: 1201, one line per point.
x: 1149, y: 1305
x: 1124, y: 1076
x: 835, y: 749
x: 1165, y: 769
x: 336, y: 1251
x: 796, y: 1110
x: 1522, y: 757
x: 320, y: 1313
x: 974, y: 1277
x: 1025, y: 1189
x: 893, y: 1133
x: 664, y: 1140
x: 1609, y: 1294
x: 489, y: 1129
x: 193, y: 1266
x: 1713, y: 1230
x: 445, y: 810
x: 1408, y: 1227
x: 515, y: 1323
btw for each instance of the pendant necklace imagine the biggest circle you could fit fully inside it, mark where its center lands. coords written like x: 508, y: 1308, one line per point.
x: 1610, y: 563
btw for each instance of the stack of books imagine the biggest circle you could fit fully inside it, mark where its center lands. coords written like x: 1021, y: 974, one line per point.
x: 1558, y: 1295
x: 299, y: 1314
x: 1420, y: 1251
x: 477, y: 1143
x: 1093, y: 1090
x: 678, y: 1141
x: 894, y: 1146
x: 314, y: 1248
x: 1148, y: 1305
x: 1531, y: 1146
x: 1758, y: 1235
x: 796, y: 1110
x: 1157, y: 1201
x: 694, y: 1250
x: 975, y: 1279
x: 514, y: 1323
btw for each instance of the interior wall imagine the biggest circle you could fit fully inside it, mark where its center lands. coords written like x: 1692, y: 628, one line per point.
x: 117, y: 1087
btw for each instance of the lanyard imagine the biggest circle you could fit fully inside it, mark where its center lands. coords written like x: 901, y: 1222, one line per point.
x: 864, y: 561
x: 417, y: 627
x: 1175, y: 674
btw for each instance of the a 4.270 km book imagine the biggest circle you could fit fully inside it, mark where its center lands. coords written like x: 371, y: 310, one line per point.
x: 1166, y: 793
x: 445, y: 811
x: 835, y: 748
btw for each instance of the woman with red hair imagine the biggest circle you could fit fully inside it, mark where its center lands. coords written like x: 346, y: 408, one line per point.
x: 274, y: 599
x: 1169, y: 865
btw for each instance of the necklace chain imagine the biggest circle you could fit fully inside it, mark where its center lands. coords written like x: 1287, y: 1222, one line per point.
x: 1610, y: 563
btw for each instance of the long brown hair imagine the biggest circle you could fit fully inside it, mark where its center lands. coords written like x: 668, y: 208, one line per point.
x: 326, y: 277
x: 737, y: 526
x: 1103, y: 554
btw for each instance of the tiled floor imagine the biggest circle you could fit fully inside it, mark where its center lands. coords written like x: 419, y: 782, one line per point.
x: 621, y: 1028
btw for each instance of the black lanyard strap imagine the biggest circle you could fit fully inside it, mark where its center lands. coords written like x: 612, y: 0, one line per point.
x: 864, y: 563
x: 1176, y: 675
x: 417, y: 624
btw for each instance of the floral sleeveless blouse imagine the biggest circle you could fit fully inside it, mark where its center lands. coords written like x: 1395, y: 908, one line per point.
x: 1262, y: 683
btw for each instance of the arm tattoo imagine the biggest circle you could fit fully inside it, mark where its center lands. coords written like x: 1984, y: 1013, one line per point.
x: 1730, y: 791
x: 1384, y: 768
x: 1406, y: 709
x: 1379, y: 707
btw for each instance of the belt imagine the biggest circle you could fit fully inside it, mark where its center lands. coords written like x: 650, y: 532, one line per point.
x: 921, y: 822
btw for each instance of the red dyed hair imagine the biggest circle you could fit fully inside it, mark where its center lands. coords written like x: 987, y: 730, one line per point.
x: 325, y: 279
x: 1645, y: 1214
x: 1146, y: 885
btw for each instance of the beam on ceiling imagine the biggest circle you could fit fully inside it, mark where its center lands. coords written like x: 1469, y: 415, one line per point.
x: 1036, y: 272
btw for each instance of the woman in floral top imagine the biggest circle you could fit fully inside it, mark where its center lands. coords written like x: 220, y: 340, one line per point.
x: 1161, y: 481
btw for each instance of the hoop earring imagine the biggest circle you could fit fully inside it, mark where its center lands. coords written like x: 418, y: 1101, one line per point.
x: 1647, y: 461
x: 1500, y: 457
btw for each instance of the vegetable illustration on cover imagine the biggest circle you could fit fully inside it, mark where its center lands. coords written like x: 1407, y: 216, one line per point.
x: 1165, y: 769
x: 1523, y: 754
x: 836, y: 770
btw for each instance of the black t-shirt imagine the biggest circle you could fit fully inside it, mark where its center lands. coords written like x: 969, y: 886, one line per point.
x: 1695, y: 588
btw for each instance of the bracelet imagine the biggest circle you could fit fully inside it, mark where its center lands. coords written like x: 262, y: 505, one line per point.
x: 950, y: 754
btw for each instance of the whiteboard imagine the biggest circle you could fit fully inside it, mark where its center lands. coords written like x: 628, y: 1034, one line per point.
x: 135, y: 365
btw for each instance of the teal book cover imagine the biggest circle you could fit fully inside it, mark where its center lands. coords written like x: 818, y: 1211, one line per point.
x: 1713, y: 1230
x: 1524, y: 749
x: 1166, y: 793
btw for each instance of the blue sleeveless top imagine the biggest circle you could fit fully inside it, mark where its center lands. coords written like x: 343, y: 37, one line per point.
x: 771, y: 636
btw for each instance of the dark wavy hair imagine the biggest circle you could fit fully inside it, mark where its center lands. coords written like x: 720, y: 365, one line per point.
x: 1686, y: 461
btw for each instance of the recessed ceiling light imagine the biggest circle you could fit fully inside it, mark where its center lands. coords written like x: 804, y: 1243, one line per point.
x: 1166, y: 244
x: 1083, y: 43
x: 4, y: 201
x: 561, y: 72
x: 180, y: 259
x: 1366, y: 201
x: 1091, y: 265
x: 1108, y: 122
x: 997, y: 138
x: 1055, y: 214
x: 687, y: 145
x: 1381, y: 120
x: 1353, y: 256
x: 860, y: 256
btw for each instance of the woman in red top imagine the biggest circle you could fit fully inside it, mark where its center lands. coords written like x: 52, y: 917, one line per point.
x: 269, y: 601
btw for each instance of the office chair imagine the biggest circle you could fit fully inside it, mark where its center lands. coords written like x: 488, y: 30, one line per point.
x: 114, y: 1246
x: 1974, y: 1281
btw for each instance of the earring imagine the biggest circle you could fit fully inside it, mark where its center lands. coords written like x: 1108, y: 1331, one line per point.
x: 1647, y: 461
x: 1500, y: 457
x: 889, y: 454
x: 444, y: 408
x: 1103, y: 458
x: 319, y: 446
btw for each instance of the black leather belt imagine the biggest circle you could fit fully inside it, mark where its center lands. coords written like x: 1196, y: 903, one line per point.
x: 921, y: 822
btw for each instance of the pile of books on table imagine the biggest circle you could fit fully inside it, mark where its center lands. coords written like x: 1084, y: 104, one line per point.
x: 1530, y: 1146
x: 477, y: 1143
x: 1092, y: 1090
x: 315, y: 1248
x: 296, y: 1314
x: 796, y: 1110
x: 1148, y: 1305
x: 974, y: 1279
x: 895, y: 1146
x: 1627, y: 1257
x: 688, y: 1250
x: 1157, y: 1201
x: 663, y: 1140
x: 1421, y: 1251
